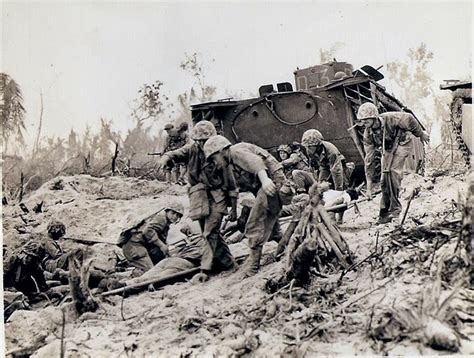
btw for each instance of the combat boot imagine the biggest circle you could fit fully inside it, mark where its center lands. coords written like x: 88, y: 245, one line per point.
x: 252, y: 264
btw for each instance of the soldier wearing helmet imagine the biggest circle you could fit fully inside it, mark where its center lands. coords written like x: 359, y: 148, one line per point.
x: 284, y: 151
x: 22, y: 270
x: 211, y: 192
x: 323, y: 157
x: 175, y: 139
x: 293, y: 160
x: 391, y: 132
x: 144, y: 244
x: 258, y: 172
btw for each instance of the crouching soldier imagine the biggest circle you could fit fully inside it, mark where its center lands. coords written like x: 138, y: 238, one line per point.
x: 56, y: 260
x: 292, y: 160
x: 22, y: 271
x: 259, y: 172
x: 144, y: 245
x: 323, y: 156
x: 392, y: 131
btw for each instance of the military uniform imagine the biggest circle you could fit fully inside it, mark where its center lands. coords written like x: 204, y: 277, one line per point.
x: 23, y: 270
x: 329, y: 163
x: 176, y: 139
x: 246, y: 161
x: 397, y: 128
x: 143, y: 245
x: 220, y: 189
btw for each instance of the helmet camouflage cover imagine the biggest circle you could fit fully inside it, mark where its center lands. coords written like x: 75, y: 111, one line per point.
x: 176, y: 207
x: 203, y: 130
x: 311, y: 137
x: 367, y: 110
x: 215, y: 144
x: 284, y: 148
x: 56, y: 229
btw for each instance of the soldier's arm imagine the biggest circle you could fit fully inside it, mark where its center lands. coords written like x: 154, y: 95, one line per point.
x: 51, y: 249
x: 336, y: 170
x: 248, y: 161
x: 153, y: 231
x: 231, y: 190
x: 410, y: 123
x: 292, y: 160
x: 178, y: 155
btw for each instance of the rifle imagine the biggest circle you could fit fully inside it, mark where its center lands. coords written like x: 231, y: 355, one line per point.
x: 155, y: 153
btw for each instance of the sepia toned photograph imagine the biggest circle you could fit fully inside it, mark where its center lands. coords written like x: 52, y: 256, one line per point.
x: 237, y: 179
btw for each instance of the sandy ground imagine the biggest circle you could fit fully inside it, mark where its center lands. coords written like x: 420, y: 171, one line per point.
x: 227, y: 316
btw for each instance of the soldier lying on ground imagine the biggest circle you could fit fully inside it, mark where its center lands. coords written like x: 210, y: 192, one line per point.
x: 144, y: 244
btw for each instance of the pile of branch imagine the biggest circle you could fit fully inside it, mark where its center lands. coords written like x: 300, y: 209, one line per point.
x: 316, y: 239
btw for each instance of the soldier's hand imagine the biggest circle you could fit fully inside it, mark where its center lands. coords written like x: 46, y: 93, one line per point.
x: 269, y: 187
x: 163, y: 162
x: 425, y: 137
x: 164, y: 249
x: 233, y: 215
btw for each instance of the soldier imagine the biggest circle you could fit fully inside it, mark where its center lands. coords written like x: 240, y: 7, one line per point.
x: 323, y: 156
x: 392, y: 132
x: 23, y: 271
x: 259, y: 172
x: 292, y: 160
x: 211, y: 191
x: 144, y: 245
x: 174, y: 140
x: 55, y: 258
x: 183, y: 139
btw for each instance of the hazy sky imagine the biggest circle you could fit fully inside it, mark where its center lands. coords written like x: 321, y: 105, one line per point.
x: 89, y: 59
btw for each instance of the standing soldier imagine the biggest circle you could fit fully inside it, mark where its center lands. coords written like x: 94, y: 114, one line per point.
x: 144, y: 245
x: 211, y: 191
x: 323, y: 156
x: 259, y: 172
x: 392, y: 132
x: 183, y: 139
x: 177, y: 138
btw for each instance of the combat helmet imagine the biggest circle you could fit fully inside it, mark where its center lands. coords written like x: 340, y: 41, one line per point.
x: 284, y: 148
x: 56, y: 229
x: 311, y: 137
x: 176, y: 207
x: 367, y: 110
x: 203, y: 130
x: 215, y: 144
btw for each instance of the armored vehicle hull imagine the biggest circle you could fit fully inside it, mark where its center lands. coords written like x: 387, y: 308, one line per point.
x: 326, y: 98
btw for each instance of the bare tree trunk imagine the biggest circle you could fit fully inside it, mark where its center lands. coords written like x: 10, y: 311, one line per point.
x: 114, y: 159
x: 22, y: 180
x: 35, y: 147
x: 87, y: 164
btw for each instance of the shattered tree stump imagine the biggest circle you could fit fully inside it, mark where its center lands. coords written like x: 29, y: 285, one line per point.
x: 79, y: 284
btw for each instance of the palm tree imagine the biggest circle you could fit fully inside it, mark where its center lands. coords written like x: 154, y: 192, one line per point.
x: 12, y: 112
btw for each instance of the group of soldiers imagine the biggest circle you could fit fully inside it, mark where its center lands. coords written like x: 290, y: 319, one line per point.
x: 217, y: 171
